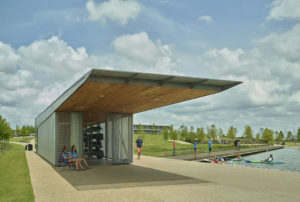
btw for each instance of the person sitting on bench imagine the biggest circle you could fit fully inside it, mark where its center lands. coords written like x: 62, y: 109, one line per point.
x: 74, y: 155
x: 67, y: 159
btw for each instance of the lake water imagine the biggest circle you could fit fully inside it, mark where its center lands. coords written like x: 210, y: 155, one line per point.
x: 290, y: 157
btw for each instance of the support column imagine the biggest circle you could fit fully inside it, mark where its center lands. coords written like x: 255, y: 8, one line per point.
x: 120, y: 137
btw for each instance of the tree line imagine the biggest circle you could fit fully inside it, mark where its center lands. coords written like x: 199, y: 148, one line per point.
x: 264, y: 135
x: 5, y: 132
x: 25, y: 130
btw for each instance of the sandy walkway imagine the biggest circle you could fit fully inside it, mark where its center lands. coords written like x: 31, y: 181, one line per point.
x: 223, y: 183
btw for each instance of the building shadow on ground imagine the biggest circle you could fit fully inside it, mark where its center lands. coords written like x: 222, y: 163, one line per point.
x: 122, y: 176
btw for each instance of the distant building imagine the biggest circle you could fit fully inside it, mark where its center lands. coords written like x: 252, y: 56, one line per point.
x: 149, y: 129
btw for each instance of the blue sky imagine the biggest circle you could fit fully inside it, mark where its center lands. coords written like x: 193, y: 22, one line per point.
x: 234, y: 24
x: 255, y: 41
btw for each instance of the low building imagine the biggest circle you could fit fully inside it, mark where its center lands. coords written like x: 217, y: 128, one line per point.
x: 96, y: 113
x: 149, y: 129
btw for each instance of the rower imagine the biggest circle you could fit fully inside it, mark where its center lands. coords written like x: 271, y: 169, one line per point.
x: 270, y: 158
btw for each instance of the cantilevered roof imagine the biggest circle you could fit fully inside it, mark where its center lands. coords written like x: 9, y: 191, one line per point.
x: 104, y: 91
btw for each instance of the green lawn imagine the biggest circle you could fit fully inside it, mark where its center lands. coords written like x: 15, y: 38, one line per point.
x: 155, y: 145
x: 292, y: 144
x: 15, y: 184
x: 22, y: 139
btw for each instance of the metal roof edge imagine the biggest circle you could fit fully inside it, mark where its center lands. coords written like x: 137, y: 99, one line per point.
x: 56, y: 103
x: 94, y: 75
x: 167, y: 81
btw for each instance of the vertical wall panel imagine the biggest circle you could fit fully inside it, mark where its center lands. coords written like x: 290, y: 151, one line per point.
x: 62, y: 133
x: 119, y: 134
x: 46, y: 139
x: 76, y: 131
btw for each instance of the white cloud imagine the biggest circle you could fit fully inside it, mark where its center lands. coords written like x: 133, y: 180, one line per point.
x: 53, y: 59
x: 269, y: 94
x: 33, y: 76
x: 119, y: 11
x: 137, y: 50
x: 137, y: 46
x: 8, y: 58
x: 286, y: 44
x: 284, y: 9
x: 206, y: 18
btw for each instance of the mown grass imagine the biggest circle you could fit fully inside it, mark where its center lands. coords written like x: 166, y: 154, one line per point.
x: 155, y: 145
x: 292, y: 144
x: 22, y: 139
x: 15, y: 184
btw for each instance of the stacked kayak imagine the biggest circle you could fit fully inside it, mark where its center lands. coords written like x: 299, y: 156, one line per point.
x: 264, y: 162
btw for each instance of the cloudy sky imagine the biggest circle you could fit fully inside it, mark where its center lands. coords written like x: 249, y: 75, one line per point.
x: 45, y: 46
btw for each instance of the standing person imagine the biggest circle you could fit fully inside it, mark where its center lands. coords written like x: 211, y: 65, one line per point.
x: 174, y: 146
x: 209, y: 147
x: 139, y: 145
x: 195, y: 147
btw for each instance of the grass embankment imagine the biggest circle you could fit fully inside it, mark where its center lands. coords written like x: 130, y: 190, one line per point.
x: 15, y: 184
x: 22, y: 139
x: 292, y: 144
x: 155, y: 145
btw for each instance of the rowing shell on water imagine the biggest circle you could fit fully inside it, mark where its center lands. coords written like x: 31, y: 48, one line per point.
x: 264, y: 162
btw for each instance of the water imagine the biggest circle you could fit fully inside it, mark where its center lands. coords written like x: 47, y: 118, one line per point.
x: 290, y: 157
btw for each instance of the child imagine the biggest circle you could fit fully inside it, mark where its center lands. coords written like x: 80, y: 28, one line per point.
x: 221, y: 160
x: 215, y: 160
x: 74, y: 155
x: 68, y: 158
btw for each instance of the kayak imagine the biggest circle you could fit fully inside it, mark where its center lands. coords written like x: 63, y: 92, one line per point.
x: 235, y: 159
x: 264, y: 162
x: 205, y: 161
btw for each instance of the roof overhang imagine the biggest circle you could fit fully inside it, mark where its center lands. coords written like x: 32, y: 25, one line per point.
x: 100, y: 92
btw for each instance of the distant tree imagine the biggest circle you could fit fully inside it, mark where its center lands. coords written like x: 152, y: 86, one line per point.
x: 220, y: 133
x: 165, y: 133
x: 231, y: 133
x: 27, y: 130
x: 280, y: 136
x: 141, y: 131
x: 5, y: 132
x: 276, y: 133
x: 153, y: 128
x: 201, y: 134
x: 257, y: 137
x: 248, y: 133
x: 18, y: 131
x: 289, y: 136
x: 298, y: 135
x: 268, y: 136
x: 192, y: 135
x: 183, y: 131
x: 212, y: 132
x: 173, y: 134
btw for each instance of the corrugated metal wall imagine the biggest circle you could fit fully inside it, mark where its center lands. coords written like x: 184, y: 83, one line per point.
x: 119, y: 137
x: 68, y: 132
x: 46, y: 139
